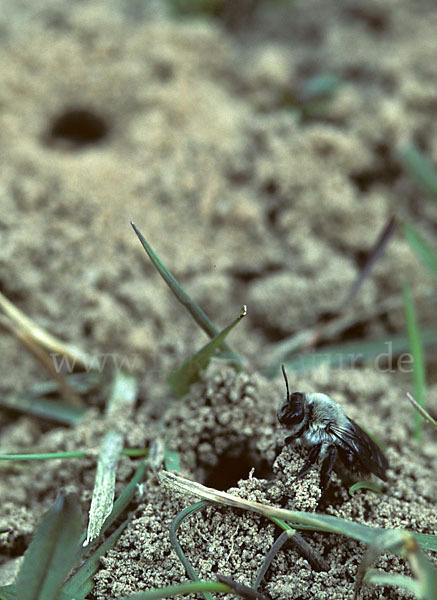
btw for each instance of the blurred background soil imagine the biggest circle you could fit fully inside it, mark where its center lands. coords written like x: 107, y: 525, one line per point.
x: 197, y: 129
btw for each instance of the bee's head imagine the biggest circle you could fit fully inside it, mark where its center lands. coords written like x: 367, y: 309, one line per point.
x: 291, y: 411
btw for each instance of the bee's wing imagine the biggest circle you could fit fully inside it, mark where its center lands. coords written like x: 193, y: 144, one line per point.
x: 367, y: 452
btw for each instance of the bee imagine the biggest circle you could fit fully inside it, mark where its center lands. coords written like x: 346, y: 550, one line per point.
x: 319, y: 424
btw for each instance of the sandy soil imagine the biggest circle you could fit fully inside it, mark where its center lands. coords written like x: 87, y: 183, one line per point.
x: 112, y: 112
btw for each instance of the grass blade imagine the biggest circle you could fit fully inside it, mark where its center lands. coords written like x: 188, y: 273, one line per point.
x: 196, y: 312
x: 375, y: 253
x: 386, y: 541
x: 126, y: 496
x: 425, y: 572
x: 82, y: 383
x: 192, y: 587
x: 81, y: 583
x: 418, y: 165
x: 45, y: 456
x: 330, y: 524
x: 176, y: 523
x: 299, y: 520
x: 277, y: 545
x: 290, y: 535
x: 421, y: 248
x: 427, y: 541
x: 239, y: 589
x: 73, y: 454
x: 306, y: 340
x: 171, y: 459
x: 181, y: 379
x: 42, y: 337
x: 120, y: 406
x: 399, y: 542
x: 418, y: 360
x: 44, y: 408
x: 375, y: 577
x: 313, y: 96
x: 119, y: 507
x: 355, y: 352
x: 365, y: 485
x: 8, y: 592
x: 425, y: 414
x: 34, y: 348
x: 104, y: 485
x: 51, y: 553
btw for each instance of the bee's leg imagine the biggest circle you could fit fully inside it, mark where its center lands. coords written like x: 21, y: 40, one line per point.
x: 312, y: 458
x: 327, y: 466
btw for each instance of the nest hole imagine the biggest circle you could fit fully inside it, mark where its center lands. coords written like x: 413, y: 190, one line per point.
x: 76, y: 128
x: 233, y: 466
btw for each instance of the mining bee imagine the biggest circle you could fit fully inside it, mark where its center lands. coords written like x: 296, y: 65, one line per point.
x: 320, y: 425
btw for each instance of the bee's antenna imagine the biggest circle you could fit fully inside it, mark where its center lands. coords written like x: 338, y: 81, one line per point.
x: 286, y: 381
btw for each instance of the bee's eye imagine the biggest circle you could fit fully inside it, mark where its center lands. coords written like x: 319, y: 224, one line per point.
x: 291, y: 410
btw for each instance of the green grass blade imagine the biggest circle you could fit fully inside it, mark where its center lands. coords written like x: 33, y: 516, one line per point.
x: 375, y: 577
x: 135, y: 452
x: 176, y: 523
x: 282, y: 524
x: 195, y: 311
x: 181, y: 379
x: 312, y: 556
x: 51, y: 553
x: 425, y: 414
x: 418, y: 165
x: 81, y: 583
x: 316, y: 521
x: 426, y: 573
x: 81, y: 383
x: 365, y: 485
x: 298, y: 519
x: 277, y: 545
x: 35, y: 401
x: 418, y: 360
x: 46, y: 456
x: 291, y: 536
x: 421, y: 248
x: 287, y: 348
x: 171, y: 459
x: 314, y: 96
x: 400, y: 542
x: 44, y: 408
x: 427, y: 541
x: 193, y: 587
x: 8, y: 592
x: 386, y: 541
x: 355, y: 353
